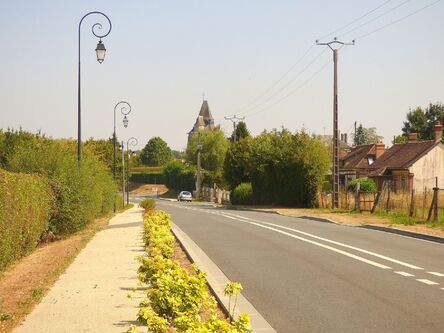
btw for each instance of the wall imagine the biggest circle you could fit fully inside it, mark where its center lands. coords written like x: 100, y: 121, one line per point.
x: 427, y: 168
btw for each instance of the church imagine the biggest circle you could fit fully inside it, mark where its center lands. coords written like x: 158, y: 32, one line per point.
x: 204, y: 120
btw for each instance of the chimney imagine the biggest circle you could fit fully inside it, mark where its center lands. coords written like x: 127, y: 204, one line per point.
x: 438, y: 131
x: 379, y: 149
x: 413, y: 137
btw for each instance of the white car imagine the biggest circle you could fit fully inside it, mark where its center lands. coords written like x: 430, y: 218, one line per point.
x: 185, y: 196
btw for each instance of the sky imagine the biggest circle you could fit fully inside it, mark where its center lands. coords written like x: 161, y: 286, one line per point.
x: 256, y: 59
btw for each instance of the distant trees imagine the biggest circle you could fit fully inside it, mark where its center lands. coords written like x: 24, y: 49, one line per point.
x: 156, y: 152
x: 283, y: 168
x: 422, y: 121
x: 364, y: 136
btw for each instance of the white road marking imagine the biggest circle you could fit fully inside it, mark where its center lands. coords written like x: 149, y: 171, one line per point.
x: 430, y: 283
x: 334, y: 242
x: 404, y: 274
x: 436, y: 274
x: 347, y: 254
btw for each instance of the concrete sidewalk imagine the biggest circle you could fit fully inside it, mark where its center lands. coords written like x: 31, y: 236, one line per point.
x: 91, y: 296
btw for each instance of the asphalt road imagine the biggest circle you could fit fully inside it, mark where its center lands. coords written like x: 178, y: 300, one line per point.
x: 308, y: 276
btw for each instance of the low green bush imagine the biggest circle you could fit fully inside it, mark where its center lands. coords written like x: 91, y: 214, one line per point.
x: 26, y: 202
x: 242, y: 194
x: 365, y: 185
x: 148, y: 204
x: 175, y: 297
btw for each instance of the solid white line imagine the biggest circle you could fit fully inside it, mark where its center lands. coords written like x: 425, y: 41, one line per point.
x: 430, y: 283
x: 436, y: 274
x: 336, y: 243
x: 404, y: 274
x: 347, y: 254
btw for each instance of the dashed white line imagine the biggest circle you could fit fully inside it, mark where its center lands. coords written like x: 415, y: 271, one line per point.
x: 404, y: 274
x: 428, y: 282
x: 436, y: 274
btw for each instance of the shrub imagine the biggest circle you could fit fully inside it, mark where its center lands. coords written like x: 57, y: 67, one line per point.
x: 365, y: 185
x: 242, y: 194
x: 176, y: 297
x: 148, y: 204
x: 25, y: 205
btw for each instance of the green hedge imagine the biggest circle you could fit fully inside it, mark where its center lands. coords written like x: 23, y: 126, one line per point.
x: 179, y: 177
x: 365, y: 185
x: 25, y: 206
x: 147, y: 178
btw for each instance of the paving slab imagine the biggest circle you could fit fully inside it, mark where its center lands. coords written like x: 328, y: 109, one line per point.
x: 92, y: 295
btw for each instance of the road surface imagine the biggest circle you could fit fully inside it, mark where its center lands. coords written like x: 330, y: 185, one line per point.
x: 309, y: 276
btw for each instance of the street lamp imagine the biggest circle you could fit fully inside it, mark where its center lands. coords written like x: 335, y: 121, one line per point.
x: 125, y: 109
x: 130, y: 142
x: 100, y: 52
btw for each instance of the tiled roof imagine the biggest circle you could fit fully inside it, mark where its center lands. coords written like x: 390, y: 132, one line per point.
x: 357, y: 157
x: 403, y: 155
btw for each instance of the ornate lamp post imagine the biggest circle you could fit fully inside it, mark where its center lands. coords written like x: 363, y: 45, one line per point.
x: 100, y: 52
x: 130, y: 142
x: 125, y: 109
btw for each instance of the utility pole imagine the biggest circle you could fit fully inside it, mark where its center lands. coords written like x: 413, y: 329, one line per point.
x: 335, y: 42
x: 198, y: 178
x: 234, y: 120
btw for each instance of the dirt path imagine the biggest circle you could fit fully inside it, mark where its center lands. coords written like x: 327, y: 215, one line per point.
x: 93, y: 294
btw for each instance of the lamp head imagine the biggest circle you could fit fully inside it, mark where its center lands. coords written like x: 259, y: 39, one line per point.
x: 100, y: 51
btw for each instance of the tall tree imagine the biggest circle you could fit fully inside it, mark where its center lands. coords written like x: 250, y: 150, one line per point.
x: 422, y: 121
x: 156, y: 152
x: 364, y: 136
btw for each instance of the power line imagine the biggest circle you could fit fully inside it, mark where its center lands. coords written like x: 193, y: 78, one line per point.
x: 375, y: 18
x: 286, y: 85
x: 356, y: 20
x: 398, y: 20
x: 265, y: 92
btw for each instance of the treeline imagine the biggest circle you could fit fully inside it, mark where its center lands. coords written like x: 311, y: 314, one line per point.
x: 44, y: 193
x: 275, y: 167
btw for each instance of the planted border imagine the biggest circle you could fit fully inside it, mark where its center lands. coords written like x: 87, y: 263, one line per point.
x: 175, y: 298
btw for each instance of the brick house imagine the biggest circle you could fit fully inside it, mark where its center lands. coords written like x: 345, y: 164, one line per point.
x: 407, y: 166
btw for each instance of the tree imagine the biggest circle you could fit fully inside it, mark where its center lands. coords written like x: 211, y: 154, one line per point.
x: 423, y: 121
x: 364, y: 136
x: 156, y: 152
x: 241, y: 131
x: 236, y: 166
x: 214, y: 147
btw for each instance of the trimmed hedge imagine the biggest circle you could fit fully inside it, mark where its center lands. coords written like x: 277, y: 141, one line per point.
x: 365, y: 185
x: 147, y: 178
x: 179, y: 177
x: 25, y: 206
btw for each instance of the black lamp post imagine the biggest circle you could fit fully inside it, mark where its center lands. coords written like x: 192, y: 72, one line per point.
x: 131, y: 142
x: 100, y: 52
x: 125, y: 109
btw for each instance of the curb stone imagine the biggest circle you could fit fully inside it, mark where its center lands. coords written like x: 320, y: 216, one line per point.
x: 217, y: 281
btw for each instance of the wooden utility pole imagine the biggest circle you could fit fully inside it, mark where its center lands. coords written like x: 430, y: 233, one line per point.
x: 335, y: 180
x: 198, y: 176
x: 234, y: 119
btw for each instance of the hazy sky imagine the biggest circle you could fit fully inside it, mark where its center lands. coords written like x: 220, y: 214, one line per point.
x: 162, y: 55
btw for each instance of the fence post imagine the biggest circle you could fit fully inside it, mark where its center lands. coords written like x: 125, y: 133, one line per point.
x: 412, y: 204
x: 387, y: 204
x: 357, y: 197
x: 435, y: 206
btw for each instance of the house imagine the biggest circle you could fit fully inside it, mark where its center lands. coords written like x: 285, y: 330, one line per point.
x: 204, y: 120
x: 412, y: 165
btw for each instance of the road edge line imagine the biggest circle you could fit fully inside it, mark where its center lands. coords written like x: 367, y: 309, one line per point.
x: 217, y: 280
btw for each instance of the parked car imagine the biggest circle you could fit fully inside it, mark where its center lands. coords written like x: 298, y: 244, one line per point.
x: 185, y: 196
